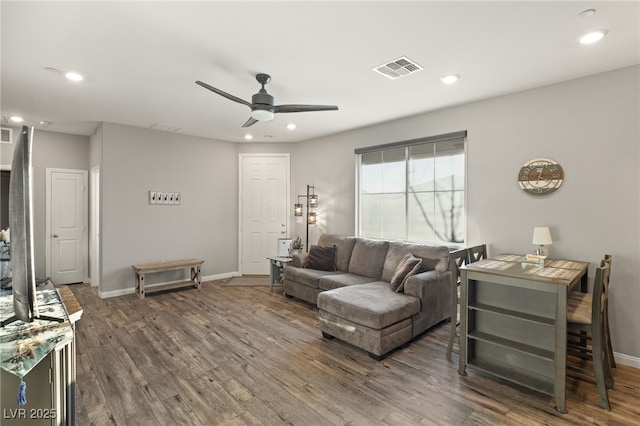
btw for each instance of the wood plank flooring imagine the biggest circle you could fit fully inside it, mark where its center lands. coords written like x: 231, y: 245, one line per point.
x: 243, y: 356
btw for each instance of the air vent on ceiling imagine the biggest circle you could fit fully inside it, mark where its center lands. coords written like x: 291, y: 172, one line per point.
x: 7, y: 134
x: 165, y: 127
x: 398, y: 68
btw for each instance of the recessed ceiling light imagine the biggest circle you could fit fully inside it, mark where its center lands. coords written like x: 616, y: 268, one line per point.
x: 74, y: 76
x: 450, y: 79
x: 248, y: 137
x: 586, y: 13
x: 291, y: 126
x: 593, y: 36
x: 16, y: 119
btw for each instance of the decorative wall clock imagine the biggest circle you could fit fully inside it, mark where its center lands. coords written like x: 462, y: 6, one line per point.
x: 540, y: 176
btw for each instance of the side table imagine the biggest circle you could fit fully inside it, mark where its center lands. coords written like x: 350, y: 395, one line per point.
x: 275, y: 272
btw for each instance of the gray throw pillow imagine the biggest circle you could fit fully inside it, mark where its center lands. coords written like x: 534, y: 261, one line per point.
x: 322, y: 258
x: 408, y: 266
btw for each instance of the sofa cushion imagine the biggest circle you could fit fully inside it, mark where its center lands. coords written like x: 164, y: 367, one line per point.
x: 373, y: 305
x: 433, y: 257
x: 368, y: 257
x: 307, y: 277
x: 322, y: 258
x: 344, y: 247
x: 329, y: 282
x: 409, y: 265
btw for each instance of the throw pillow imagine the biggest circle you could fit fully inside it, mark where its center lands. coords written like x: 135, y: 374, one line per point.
x: 322, y: 258
x: 408, y: 266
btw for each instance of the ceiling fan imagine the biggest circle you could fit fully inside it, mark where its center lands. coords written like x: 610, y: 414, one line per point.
x: 262, y: 107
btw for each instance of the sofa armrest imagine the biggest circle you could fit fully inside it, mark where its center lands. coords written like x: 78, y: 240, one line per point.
x: 424, y: 284
x: 299, y: 259
x: 433, y: 290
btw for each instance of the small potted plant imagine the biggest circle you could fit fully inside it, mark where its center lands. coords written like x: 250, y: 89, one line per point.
x: 296, y: 246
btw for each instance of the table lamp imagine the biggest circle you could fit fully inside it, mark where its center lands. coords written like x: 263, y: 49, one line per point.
x: 542, y: 236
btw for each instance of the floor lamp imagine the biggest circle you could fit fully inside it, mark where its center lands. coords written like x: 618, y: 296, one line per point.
x: 312, y: 203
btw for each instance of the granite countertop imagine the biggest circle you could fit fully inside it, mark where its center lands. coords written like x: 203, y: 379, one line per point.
x: 24, y: 345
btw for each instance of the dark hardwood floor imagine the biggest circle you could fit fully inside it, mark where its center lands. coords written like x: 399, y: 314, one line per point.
x: 241, y: 355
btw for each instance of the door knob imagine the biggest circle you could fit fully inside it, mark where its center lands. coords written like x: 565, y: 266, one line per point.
x: 283, y: 232
x: 55, y: 235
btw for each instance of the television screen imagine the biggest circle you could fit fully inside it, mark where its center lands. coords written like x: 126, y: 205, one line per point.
x: 21, y: 227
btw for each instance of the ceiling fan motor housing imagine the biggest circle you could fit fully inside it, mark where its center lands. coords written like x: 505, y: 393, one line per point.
x: 263, y: 98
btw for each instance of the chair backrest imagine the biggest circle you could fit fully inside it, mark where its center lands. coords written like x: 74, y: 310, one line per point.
x: 476, y: 253
x: 456, y: 260
x: 600, y: 292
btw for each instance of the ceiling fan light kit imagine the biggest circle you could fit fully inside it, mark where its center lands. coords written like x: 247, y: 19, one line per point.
x: 262, y: 103
x: 262, y: 114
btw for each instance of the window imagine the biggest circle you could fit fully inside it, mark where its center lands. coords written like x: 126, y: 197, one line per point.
x: 413, y: 190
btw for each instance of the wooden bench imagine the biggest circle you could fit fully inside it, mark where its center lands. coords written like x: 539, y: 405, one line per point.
x: 172, y: 265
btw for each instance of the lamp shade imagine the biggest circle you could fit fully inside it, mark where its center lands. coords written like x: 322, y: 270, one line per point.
x: 297, y: 209
x: 541, y: 235
x: 313, y: 201
x: 312, y: 218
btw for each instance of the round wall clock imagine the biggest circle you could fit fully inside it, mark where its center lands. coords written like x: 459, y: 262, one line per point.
x: 540, y: 176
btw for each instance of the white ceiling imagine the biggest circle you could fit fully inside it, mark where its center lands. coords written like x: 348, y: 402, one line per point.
x: 140, y: 59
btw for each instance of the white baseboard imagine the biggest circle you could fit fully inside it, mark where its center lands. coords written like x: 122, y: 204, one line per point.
x: 221, y: 276
x: 115, y: 293
x: 131, y: 290
x: 628, y: 360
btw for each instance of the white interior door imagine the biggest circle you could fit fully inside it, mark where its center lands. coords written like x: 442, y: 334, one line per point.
x: 67, y: 253
x: 264, y: 201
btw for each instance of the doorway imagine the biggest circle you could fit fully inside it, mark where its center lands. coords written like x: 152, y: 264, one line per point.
x: 66, y: 235
x: 264, y: 201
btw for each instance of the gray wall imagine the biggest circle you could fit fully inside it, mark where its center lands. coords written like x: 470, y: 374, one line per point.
x: 50, y: 150
x: 590, y: 126
x: 204, y: 225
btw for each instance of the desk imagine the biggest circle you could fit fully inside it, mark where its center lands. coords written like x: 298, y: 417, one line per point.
x: 275, y: 272
x: 513, y: 320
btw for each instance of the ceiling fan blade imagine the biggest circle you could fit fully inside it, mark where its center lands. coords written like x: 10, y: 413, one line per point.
x: 225, y: 94
x: 250, y: 122
x: 304, y: 108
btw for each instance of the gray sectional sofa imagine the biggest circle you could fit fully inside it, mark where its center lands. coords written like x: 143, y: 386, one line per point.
x: 356, y: 302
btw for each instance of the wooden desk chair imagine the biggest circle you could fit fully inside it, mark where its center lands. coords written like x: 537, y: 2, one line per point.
x: 586, y: 315
x: 612, y: 362
x: 456, y: 260
x: 578, y: 297
x: 476, y: 253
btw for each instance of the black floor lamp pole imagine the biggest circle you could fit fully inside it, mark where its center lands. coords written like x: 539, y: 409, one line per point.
x: 312, y: 202
x: 306, y: 241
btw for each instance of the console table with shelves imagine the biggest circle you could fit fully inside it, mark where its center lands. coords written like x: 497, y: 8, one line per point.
x: 514, y: 320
